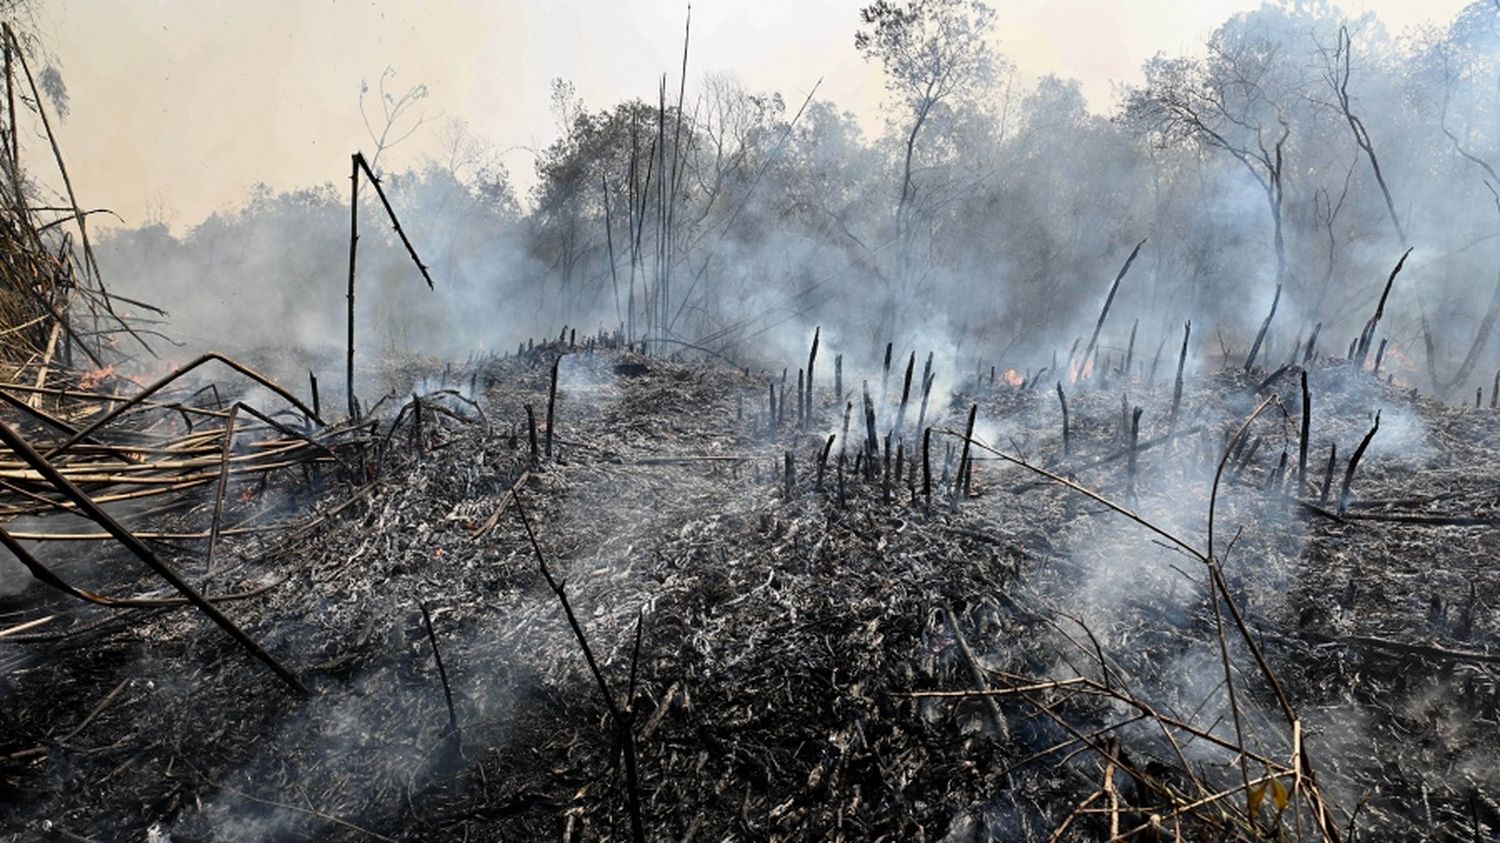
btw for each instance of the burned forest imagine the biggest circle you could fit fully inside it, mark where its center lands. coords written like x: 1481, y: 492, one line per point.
x: 989, y: 461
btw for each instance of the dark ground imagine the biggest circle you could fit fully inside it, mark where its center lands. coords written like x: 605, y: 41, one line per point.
x: 780, y: 635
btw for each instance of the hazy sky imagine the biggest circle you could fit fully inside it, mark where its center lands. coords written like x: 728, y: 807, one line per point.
x: 178, y: 106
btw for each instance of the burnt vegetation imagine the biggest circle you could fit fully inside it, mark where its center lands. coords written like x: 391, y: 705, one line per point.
x: 1022, y: 472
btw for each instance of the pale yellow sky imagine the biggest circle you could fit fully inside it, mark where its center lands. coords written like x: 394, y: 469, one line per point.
x: 178, y: 106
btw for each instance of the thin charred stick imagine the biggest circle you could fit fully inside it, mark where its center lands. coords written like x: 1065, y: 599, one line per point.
x: 838, y: 378
x: 927, y: 466
x: 622, y: 723
x: 801, y: 399
x: 1354, y: 463
x: 353, y: 255
x: 885, y: 472
x: 1478, y: 396
x: 359, y: 159
x: 1306, y: 434
x: 1135, y: 439
x: 965, y: 468
x: 86, y: 505
x: 911, y: 363
x: 635, y: 662
x: 781, y: 402
x: 531, y: 431
x: 1130, y: 348
x: 1379, y: 356
x: 1187, y: 332
x: 812, y: 359
x: 872, y: 439
x: 900, y: 461
x: 167, y: 380
x: 1265, y: 327
x: 1062, y: 401
x: 552, y: 404
x: 213, y: 530
x: 844, y: 438
x: 1310, y: 353
x: 437, y: 656
x: 312, y: 382
x: 771, y: 405
x: 1495, y: 391
x: 1156, y: 359
x: 823, y: 459
x: 1104, y: 312
x: 416, y: 425
x: 790, y: 475
x: 1368, y: 334
x: 1333, y: 452
x: 926, y: 392
x: 357, y: 164
x: 609, y: 241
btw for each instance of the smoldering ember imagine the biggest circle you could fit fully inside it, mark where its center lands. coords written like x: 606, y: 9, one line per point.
x: 992, y: 463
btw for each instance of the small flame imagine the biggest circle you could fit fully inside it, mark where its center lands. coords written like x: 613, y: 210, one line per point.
x: 97, y: 376
x: 1083, y: 373
x: 1013, y: 377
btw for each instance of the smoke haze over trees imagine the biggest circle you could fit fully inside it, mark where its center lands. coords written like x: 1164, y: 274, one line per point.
x: 1293, y: 158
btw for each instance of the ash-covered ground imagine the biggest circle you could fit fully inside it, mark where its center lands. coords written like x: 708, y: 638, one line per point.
x: 786, y: 620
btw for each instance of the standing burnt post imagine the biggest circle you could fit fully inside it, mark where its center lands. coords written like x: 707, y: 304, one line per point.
x: 812, y: 359
x: 552, y: 404
x: 1187, y: 331
x: 927, y: 378
x: 1333, y: 453
x: 1104, y: 312
x: 1135, y: 441
x: 838, y: 378
x: 823, y: 459
x: 801, y: 400
x: 872, y: 439
x: 1265, y: 326
x: 1354, y: 463
x: 356, y: 166
x: 317, y: 403
x: 453, y: 733
x: 911, y: 363
x: 1309, y: 354
x: 1368, y: 334
x: 927, y: 466
x: 1306, y: 434
x: 531, y: 430
x: 965, y: 468
x: 1062, y: 401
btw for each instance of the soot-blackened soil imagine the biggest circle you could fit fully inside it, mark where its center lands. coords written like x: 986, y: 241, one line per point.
x: 781, y: 633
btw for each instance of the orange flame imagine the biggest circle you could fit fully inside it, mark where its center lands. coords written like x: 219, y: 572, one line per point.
x: 89, y: 380
x: 1013, y: 377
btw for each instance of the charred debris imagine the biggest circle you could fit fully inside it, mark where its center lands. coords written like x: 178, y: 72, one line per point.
x: 622, y: 585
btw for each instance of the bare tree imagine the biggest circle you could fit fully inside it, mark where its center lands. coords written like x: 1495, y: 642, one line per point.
x: 397, y: 120
x: 934, y: 52
x: 1337, y: 73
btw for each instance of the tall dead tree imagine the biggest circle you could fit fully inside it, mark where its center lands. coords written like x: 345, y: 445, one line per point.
x: 1337, y: 72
